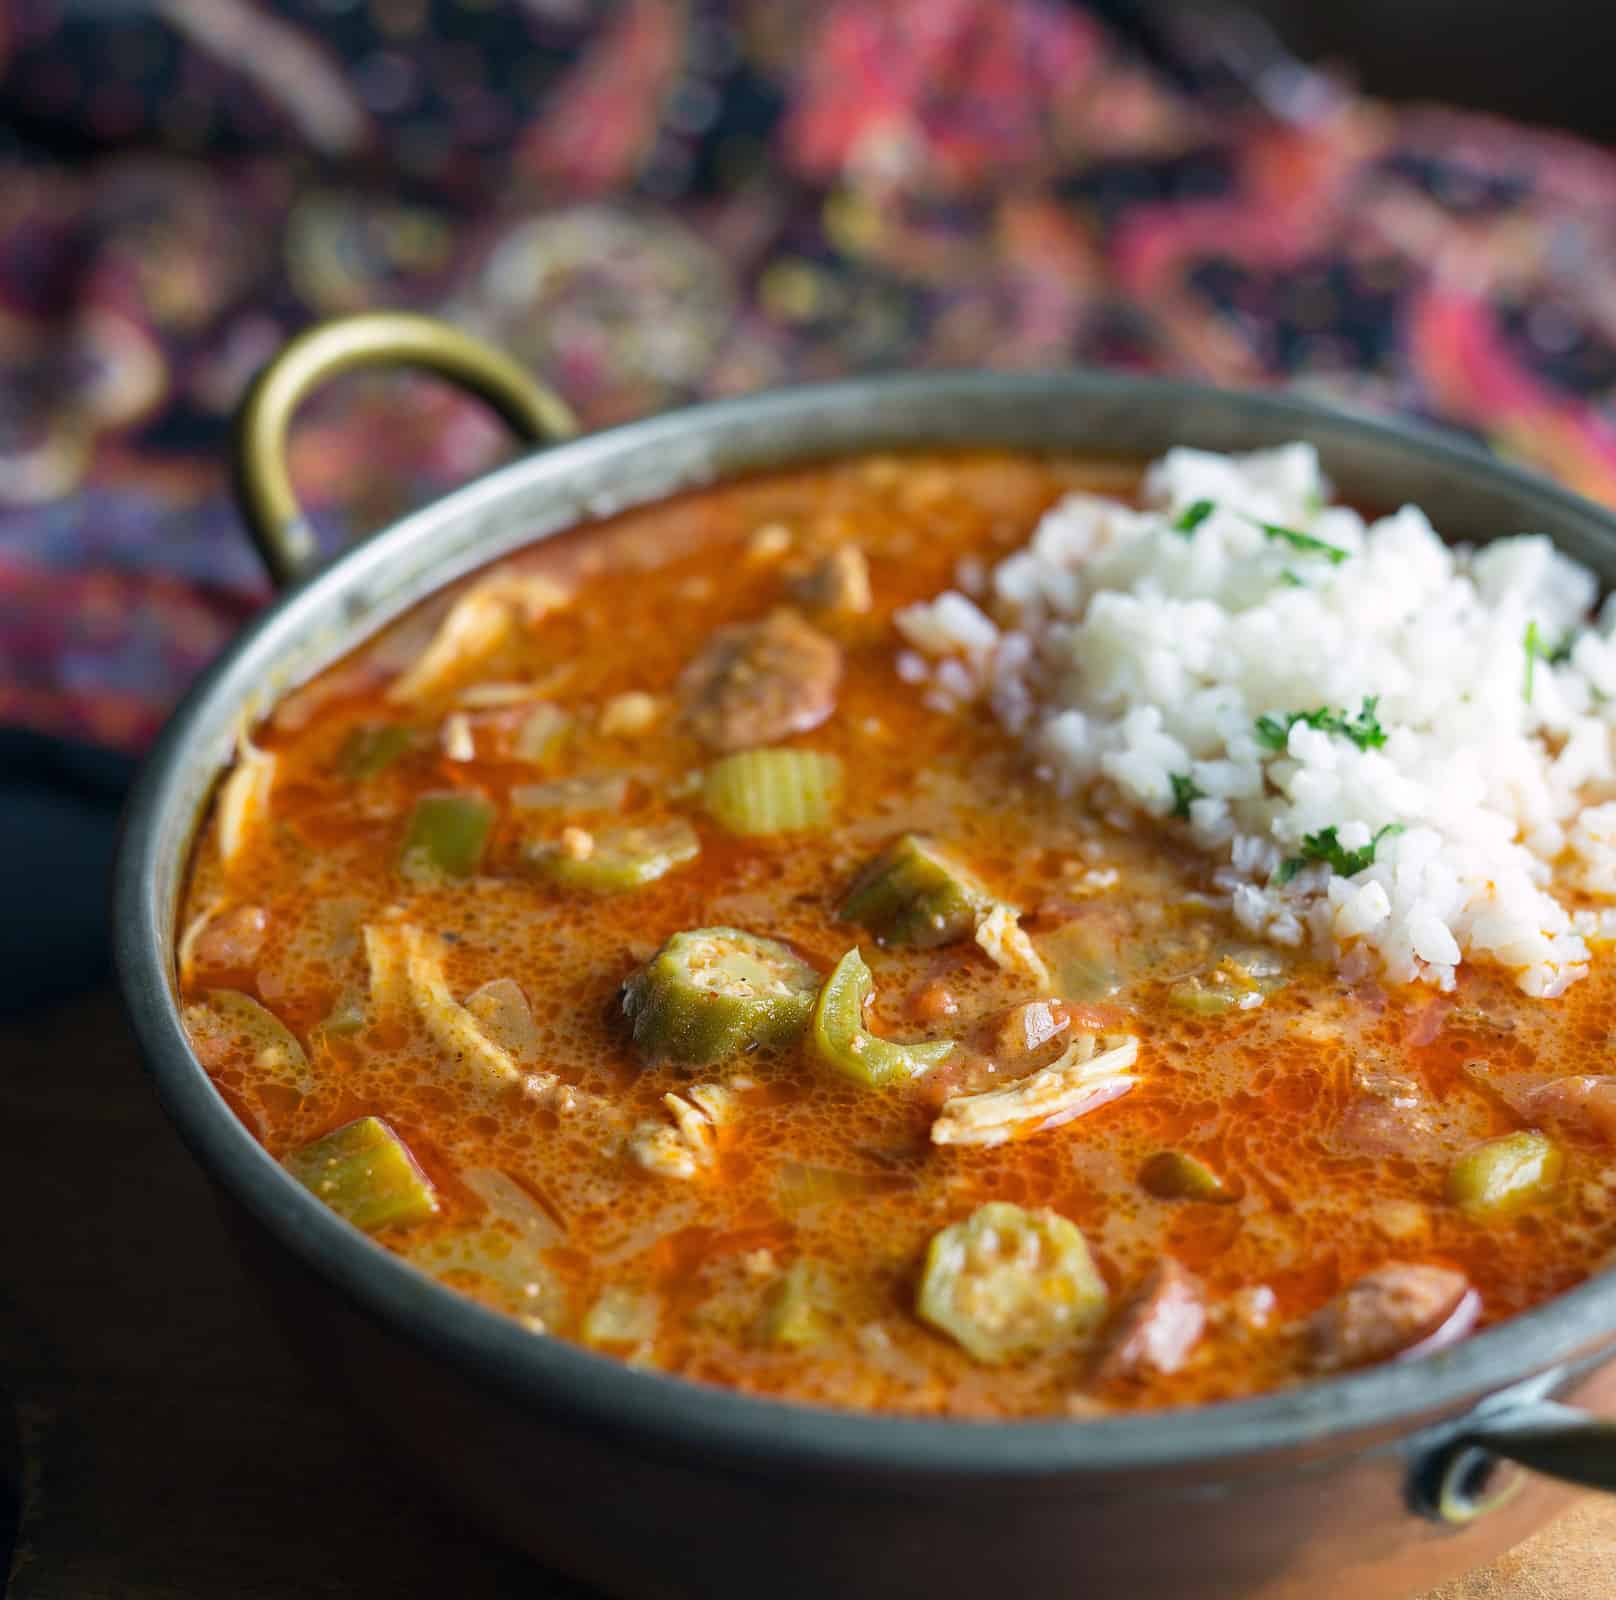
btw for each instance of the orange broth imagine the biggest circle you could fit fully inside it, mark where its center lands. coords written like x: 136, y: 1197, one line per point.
x: 812, y: 1167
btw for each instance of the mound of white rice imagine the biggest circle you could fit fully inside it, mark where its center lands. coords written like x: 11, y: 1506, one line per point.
x: 1473, y: 798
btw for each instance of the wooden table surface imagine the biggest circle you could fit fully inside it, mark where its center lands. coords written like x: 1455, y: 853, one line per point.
x: 169, y: 1448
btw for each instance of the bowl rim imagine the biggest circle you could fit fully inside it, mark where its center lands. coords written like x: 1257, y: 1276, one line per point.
x: 676, y: 1416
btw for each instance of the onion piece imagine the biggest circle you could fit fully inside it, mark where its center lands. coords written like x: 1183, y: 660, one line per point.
x: 406, y: 967
x: 244, y: 799
x: 1092, y: 1072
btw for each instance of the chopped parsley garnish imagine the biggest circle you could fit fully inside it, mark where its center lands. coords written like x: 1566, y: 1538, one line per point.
x: 1290, y: 580
x: 1537, y: 650
x: 1364, y: 729
x: 1185, y: 791
x: 1326, y: 847
x: 1192, y: 516
x: 1304, y: 542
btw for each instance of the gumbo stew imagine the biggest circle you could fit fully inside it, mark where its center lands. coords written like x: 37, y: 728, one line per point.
x: 632, y: 942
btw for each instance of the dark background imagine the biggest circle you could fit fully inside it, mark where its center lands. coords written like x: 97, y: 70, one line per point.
x: 1548, y: 62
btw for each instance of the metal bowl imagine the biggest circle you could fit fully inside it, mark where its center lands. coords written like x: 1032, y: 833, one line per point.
x: 1379, y: 1482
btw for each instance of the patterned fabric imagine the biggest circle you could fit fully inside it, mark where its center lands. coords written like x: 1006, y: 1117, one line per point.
x: 657, y: 200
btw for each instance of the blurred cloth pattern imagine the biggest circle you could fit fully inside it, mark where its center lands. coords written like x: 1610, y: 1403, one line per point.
x: 657, y: 200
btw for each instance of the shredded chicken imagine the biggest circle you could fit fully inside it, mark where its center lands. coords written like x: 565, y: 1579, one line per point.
x: 694, y: 1125
x: 1092, y: 1072
x: 244, y: 798
x: 1160, y: 1327
x: 479, y: 624
x: 663, y: 1150
x: 1005, y: 942
x: 690, y: 1145
x: 715, y: 1100
x: 406, y: 970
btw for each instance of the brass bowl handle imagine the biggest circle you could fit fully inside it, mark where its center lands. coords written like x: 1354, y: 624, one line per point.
x: 1459, y: 1480
x: 263, y: 484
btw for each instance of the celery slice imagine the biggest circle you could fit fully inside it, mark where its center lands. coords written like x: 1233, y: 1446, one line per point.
x: 842, y: 1041
x: 372, y: 748
x: 446, y: 836
x: 760, y: 792
x: 364, y: 1172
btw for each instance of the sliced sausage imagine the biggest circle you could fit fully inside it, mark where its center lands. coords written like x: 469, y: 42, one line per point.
x: 1387, y: 1116
x: 1159, y: 1328
x: 1587, y: 1102
x: 232, y: 940
x: 933, y: 1001
x: 1372, y: 1127
x: 758, y: 682
x: 1398, y: 1309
